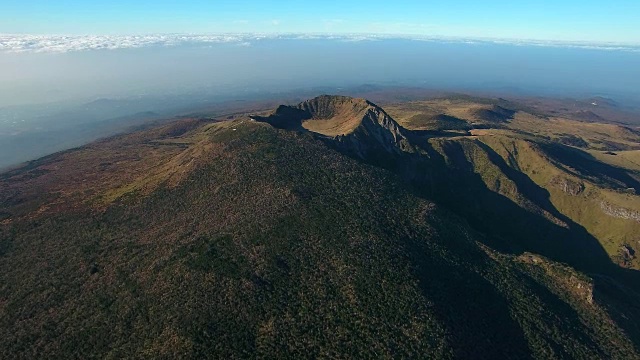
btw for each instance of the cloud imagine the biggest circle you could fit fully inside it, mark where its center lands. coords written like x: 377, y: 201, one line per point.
x: 62, y: 43
x: 67, y: 43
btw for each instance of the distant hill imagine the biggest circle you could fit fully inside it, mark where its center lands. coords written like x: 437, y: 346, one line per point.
x: 331, y: 228
x: 494, y: 114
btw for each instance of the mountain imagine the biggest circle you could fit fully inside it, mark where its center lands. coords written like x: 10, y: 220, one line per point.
x: 332, y: 228
x: 354, y: 125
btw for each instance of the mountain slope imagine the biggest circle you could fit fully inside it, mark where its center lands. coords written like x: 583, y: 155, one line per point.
x: 553, y: 169
x: 262, y: 242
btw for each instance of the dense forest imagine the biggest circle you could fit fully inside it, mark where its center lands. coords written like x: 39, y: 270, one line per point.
x: 257, y: 242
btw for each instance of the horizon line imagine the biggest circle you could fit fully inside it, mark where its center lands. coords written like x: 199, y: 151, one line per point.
x: 28, y: 42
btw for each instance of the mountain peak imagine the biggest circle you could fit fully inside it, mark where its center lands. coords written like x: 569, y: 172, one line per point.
x: 357, y: 125
x: 329, y: 115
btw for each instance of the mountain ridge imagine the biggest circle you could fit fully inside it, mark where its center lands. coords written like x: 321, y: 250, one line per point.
x: 242, y: 239
x: 356, y: 125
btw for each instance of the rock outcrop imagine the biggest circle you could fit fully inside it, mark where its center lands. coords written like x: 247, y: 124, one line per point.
x: 568, y: 186
x: 619, y: 212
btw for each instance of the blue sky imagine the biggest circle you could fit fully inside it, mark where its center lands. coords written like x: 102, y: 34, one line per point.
x: 562, y: 20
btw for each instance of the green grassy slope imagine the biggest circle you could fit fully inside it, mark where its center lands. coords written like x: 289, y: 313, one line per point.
x: 550, y: 167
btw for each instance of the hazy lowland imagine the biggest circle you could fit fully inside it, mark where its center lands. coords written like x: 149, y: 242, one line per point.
x: 320, y: 198
x: 53, y: 98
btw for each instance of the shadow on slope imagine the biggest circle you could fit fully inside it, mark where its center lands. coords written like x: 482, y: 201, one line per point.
x: 584, y: 165
x: 494, y: 114
x: 286, y: 117
x: 510, y: 227
x: 451, y: 180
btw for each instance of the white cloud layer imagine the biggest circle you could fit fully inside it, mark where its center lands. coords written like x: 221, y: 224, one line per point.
x: 70, y: 43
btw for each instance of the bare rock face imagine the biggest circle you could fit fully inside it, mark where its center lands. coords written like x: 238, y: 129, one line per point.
x: 626, y: 255
x: 571, y: 187
x: 355, y: 125
x: 628, y: 251
x: 619, y: 212
x: 377, y: 132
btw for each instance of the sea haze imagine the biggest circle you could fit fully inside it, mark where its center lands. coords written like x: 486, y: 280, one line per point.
x: 166, y: 75
x: 57, y: 70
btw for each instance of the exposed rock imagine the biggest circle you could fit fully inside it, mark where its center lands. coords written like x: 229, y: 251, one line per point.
x: 377, y: 131
x: 619, y: 212
x: 626, y: 255
x: 571, y: 187
x: 357, y: 126
x: 581, y: 288
x: 627, y: 251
